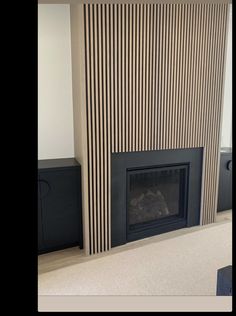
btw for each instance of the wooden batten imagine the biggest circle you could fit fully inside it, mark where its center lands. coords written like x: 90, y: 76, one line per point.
x: 80, y: 109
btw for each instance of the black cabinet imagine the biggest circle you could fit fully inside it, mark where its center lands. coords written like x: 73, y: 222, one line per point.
x: 40, y: 228
x: 59, y: 204
x: 224, y: 281
x: 225, y: 180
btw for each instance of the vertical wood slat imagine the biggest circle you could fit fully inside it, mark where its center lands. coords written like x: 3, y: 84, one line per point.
x: 181, y: 79
x: 111, y: 78
x: 119, y: 88
x: 93, y: 211
x: 170, y: 75
x: 154, y: 51
x: 130, y: 78
x: 115, y: 78
x: 126, y: 76
x: 173, y: 108
x: 101, y: 130
x: 104, y: 130
x: 133, y: 74
x: 194, y: 70
x: 147, y: 78
x: 154, y: 77
x: 178, y: 81
x: 109, y: 147
x: 143, y: 76
x: 167, y: 90
x: 137, y: 79
x: 165, y: 72
x: 150, y: 79
x: 88, y: 80
x: 97, y: 124
x: 190, y: 74
x: 123, y: 119
x: 162, y: 102
x: 159, y: 105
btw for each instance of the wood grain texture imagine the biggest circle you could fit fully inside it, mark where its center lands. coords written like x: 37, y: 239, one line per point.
x: 80, y: 111
x: 154, y: 80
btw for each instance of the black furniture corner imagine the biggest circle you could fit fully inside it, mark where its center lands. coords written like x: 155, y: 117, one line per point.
x: 224, y: 281
x: 59, y: 204
x: 225, y: 180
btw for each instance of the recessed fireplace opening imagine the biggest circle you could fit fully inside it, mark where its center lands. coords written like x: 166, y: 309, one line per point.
x: 154, y: 192
x: 156, y: 196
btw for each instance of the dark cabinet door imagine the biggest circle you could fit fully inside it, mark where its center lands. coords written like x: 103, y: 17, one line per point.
x: 40, y: 228
x: 225, y: 183
x: 60, y: 207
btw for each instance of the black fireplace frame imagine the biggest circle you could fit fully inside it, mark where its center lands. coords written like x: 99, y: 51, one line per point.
x: 123, y: 162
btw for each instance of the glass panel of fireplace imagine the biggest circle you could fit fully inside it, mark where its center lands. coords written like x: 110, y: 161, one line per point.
x: 156, y: 196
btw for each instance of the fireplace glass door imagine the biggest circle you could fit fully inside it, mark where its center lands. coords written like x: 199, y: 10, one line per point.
x: 156, y: 196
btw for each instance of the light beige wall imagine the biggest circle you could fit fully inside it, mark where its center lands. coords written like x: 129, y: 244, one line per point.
x: 55, y: 109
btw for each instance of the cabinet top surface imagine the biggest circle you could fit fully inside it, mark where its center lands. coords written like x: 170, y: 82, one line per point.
x: 226, y: 150
x: 57, y: 163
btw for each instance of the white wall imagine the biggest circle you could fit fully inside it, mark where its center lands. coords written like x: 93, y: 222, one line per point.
x: 55, y: 109
x: 226, y: 131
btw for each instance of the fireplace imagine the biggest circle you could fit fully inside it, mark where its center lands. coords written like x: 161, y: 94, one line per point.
x: 156, y: 196
x: 154, y: 192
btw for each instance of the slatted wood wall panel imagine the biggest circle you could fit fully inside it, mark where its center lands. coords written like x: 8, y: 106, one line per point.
x: 154, y: 79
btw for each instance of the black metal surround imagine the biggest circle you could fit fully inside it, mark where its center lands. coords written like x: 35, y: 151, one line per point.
x: 124, y: 163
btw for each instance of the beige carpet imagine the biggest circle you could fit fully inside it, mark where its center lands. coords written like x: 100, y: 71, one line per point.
x: 184, y: 265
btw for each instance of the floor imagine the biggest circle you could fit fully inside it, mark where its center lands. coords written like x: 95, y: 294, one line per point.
x: 183, y: 262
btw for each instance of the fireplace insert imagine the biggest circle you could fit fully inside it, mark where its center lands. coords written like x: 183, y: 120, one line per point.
x: 154, y: 192
x: 156, y: 196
